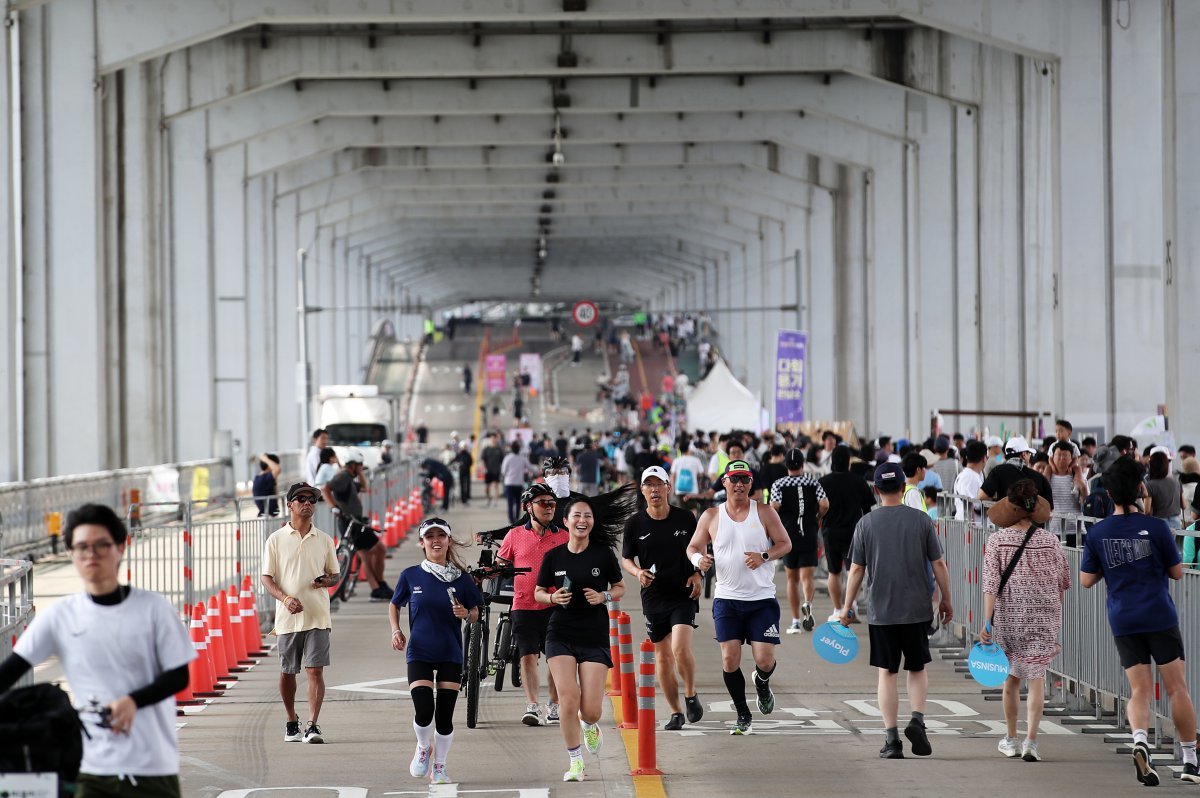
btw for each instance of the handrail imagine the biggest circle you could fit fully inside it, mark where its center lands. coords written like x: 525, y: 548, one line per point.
x: 16, y: 605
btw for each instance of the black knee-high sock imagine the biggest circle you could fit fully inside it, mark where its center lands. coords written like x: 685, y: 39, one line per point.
x: 422, y: 698
x: 735, y: 683
x: 444, y: 715
x: 764, y: 676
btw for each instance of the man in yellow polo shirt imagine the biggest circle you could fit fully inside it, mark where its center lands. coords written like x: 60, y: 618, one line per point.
x: 298, y: 564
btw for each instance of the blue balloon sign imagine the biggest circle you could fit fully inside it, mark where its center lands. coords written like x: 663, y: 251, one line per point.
x: 988, y: 663
x: 835, y: 643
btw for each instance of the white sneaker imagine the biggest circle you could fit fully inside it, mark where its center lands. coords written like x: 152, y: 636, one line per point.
x: 1008, y: 746
x: 419, y: 767
x: 532, y: 716
x: 551, y: 714
x: 794, y: 629
x: 834, y: 617
x: 439, y: 775
x: 1029, y: 751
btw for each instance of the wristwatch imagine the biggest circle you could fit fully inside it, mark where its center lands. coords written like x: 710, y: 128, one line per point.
x: 766, y: 555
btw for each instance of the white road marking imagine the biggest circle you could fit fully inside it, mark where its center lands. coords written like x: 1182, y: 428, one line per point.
x: 374, y: 687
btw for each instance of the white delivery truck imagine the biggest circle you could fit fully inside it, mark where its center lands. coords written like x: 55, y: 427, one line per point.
x: 358, y: 417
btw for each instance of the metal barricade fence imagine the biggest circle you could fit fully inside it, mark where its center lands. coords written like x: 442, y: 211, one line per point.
x: 16, y: 606
x: 31, y: 511
x: 1088, y: 666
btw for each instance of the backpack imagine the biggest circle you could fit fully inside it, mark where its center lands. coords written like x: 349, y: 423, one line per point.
x: 40, y: 732
x: 1098, y: 503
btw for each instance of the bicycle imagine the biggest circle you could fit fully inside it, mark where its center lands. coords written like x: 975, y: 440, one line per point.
x: 492, y: 579
x: 349, y: 563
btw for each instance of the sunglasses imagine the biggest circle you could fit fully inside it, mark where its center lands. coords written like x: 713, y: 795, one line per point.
x: 546, y: 503
x: 306, y: 498
x: 432, y: 523
x: 739, y: 480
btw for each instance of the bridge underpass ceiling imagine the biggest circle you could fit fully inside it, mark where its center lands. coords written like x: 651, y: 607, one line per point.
x: 679, y: 123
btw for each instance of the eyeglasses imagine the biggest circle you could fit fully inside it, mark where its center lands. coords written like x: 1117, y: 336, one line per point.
x: 739, y: 480
x: 545, y: 503
x: 99, y: 549
x: 306, y: 498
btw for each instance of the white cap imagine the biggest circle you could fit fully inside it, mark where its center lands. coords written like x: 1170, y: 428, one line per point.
x: 1170, y: 455
x: 430, y: 524
x: 930, y: 457
x: 994, y: 441
x: 353, y: 456
x: 1017, y: 445
x: 656, y: 471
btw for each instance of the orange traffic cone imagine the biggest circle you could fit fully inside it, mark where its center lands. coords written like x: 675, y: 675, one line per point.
x: 250, y: 625
x: 233, y: 611
x: 402, y: 519
x: 200, y: 670
x: 185, y: 696
x: 231, y: 657
x: 216, y: 639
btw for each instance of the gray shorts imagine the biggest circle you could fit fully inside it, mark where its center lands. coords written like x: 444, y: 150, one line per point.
x: 307, y: 649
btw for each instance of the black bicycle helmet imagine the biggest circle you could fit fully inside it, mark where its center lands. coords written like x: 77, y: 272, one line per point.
x: 535, y: 490
x: 554, y: 463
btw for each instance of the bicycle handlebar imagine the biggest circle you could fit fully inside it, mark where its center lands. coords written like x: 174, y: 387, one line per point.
x: 489, y: 571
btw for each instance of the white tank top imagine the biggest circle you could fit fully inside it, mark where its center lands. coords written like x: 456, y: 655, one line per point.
x: 732, y: 541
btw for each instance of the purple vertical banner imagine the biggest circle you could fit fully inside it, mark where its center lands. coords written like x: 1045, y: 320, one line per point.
x: 495, y: 376
x: 791, y: 355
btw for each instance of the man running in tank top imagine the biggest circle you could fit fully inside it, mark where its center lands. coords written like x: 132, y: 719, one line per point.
x: 747, y: 539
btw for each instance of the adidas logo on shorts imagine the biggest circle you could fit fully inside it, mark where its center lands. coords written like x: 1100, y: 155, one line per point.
x: 772, y: 632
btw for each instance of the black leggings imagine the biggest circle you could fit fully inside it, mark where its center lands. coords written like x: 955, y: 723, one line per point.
x: 441, y: 714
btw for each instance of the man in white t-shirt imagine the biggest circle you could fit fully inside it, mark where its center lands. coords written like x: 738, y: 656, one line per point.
x: 122, y: 646
x: 312, y: 459
x: 685, y: 475
x: 970, y: 479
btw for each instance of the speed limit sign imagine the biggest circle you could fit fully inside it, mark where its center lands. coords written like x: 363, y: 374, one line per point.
x: 585, y: 313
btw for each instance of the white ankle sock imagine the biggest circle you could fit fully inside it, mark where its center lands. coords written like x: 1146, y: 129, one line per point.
x: 1189, y: 752
x: 575, y: 753
x: 1139, y: 736
x: 424, y: 734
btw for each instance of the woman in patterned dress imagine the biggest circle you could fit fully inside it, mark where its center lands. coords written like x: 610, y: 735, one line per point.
x: 1027, y: 616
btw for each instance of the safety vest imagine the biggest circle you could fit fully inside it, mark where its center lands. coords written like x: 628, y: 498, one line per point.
x: 910, y: 488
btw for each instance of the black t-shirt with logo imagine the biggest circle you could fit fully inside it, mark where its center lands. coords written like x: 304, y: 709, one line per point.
x: 596, y: 567
x: 1005, y: 475
x: 662, y: 544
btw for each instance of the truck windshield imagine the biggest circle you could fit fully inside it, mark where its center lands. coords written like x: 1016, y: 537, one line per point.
x: 356, y: 434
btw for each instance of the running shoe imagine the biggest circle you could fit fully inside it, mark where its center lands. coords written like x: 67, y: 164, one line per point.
x: 313, y: 733
x: 675, y: 723
x: 440, y: 776
x: 915, y: 732
x: 693, y: 707
x: 809, y: 623
x: 742, y: 725
x: 1190, y: 773
x: 593, y: 738
x: 531, y: 716
x: 794, y: 629
x: 1029, y: 751
x: 551, y: 713
x: 1008, y: 746
x: 291, y: 732
x: 1143, y: 764
x: 893, y: 750
x: 576, y: 771
x: 381, y: 593
x: 419, y: 767
x: 766, y: 699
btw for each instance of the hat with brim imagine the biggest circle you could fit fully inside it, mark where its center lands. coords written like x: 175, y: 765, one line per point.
x: 736, y: 468
x: 298, y: 488
x: 1005, y: 513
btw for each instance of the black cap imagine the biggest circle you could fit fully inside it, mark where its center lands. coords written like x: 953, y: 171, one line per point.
x: 794, y: 459
x: 301, y: 487
x: 889, y: 475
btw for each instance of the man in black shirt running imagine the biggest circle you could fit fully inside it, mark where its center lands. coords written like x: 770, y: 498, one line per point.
x: 800, y: 501
x: 658, y: 537
x: 850, y: 498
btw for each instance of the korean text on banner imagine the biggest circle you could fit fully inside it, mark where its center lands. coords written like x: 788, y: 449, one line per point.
x: 495, y: 368
x: 791, y: 354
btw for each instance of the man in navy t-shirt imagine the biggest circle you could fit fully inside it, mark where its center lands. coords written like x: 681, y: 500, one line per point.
x: 1135, y: 554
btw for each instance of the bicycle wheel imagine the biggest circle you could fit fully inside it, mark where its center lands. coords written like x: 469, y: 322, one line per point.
x: 474, y: 662
x: 345, y: 559
x: 352, y: 577
x: 503, y: 642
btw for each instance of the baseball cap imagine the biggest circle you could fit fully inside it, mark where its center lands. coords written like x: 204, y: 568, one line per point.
x: 656, y: 471
x: 930, y: 457
x: 301, y: 487
x: 1170, y: 455
x: 737, y: 467
x: 889, y: 475
x: 994, y: 441
x: 430, y: 524
x: 794, y: 458
x: 1017, y: 445
x: 941, y: 444
x: 354, y: 456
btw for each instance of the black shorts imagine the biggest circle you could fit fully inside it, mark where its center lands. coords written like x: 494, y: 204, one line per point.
x: 1138, y: 649
x: 424, y: 672
x: 659, y: 624
x: 529, y: 630
x: 578, y: 652
x: 363, y: 537
x: 889, y: 641
x: 491, y: 477
x: 837, y: 549
x: 804, y: 548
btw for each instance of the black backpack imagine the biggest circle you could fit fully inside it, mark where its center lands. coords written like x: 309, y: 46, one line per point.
x: 1098, y: 503
x: 40, y: 732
